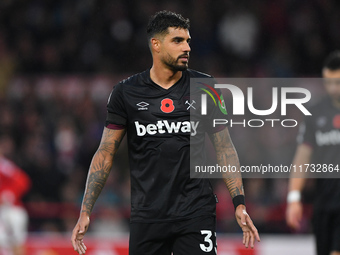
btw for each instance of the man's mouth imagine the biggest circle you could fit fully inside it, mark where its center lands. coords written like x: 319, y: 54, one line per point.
x: 183, y: 57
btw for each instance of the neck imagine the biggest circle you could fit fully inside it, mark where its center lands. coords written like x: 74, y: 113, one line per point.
x: 163, y: 76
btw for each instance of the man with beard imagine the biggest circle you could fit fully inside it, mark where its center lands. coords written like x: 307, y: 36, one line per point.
x: 171, y: 213
x: 319, y: 144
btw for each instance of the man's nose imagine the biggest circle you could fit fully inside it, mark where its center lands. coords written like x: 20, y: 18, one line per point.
x: 186, y: 47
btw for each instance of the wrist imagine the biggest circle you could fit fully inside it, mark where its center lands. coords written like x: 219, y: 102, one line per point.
x: 239, y: 200
x: 293, y: 196
x: 240, y: 207
x: 85, y: 214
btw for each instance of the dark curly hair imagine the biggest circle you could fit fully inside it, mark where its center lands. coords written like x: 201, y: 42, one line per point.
x: 332, y: 62
x: 161, y: 21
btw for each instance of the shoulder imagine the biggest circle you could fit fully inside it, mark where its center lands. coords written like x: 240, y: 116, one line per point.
x: 131, y: 81
x: 197, y: 74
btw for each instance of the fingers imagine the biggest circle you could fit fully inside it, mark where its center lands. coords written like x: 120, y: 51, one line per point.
x: 74, y: 237
x: 250, y: 233
x: 77, y: 240
x: 253, y: 229
x: 290, y: 218
x: 295, y: 220
x: 293, y: 223
x: 246, y: 237
x: 252, y: 240
x: 80, y: 247
x: 249, y: 239
x: 294, y: 215
x: 253, y: 233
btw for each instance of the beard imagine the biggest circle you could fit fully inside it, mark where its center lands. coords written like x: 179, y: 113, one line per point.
x: 174, y: 63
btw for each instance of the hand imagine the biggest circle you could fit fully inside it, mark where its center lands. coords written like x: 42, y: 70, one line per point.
x: 79, y: 232
x: 249, y: 230
x: 294, y: 214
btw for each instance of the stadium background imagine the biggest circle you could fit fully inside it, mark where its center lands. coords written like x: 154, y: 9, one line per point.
x: 60, y: 59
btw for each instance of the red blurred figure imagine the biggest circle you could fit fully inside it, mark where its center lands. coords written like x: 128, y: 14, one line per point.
x: 14, y: 183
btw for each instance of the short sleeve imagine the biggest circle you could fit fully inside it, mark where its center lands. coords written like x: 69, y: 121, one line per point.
x: 306, y: 132
x: 116, y: 112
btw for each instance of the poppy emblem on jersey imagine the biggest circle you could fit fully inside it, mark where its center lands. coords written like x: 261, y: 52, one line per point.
x: 142, y: 105
x: 167, y: 105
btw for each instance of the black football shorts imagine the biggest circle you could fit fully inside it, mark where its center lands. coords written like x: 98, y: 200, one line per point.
x: 195, y: 236
x: 326, y: 227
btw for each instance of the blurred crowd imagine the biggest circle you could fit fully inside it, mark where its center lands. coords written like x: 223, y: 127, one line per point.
x: 60, y: 59
x: 234, y: 38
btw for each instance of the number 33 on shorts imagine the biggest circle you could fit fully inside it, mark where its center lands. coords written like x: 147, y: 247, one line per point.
x: 208, y: 245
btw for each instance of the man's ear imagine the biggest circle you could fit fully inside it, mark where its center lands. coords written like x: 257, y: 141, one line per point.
x: 155, y: 44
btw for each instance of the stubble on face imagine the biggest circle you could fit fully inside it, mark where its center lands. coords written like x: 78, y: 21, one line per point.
x: 175, y: 64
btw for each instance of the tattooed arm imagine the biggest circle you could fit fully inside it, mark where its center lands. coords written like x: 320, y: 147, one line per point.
x: 226, y: 155
x: 99, y: 171
x: 100, y: 167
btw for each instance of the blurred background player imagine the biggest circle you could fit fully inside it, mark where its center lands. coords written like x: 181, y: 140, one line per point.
x: 14, y: 183
x: 319, y: 143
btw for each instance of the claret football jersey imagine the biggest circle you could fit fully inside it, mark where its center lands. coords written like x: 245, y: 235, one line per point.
x: 158, y: 127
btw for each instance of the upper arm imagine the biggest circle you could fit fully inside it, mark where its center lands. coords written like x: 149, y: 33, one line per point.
x: 110, y: 142
x: 116, y: 109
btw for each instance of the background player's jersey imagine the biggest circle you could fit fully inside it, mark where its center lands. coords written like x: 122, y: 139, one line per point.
x: 321, y: 131
x: 158, y: 131
x: 14, y: 182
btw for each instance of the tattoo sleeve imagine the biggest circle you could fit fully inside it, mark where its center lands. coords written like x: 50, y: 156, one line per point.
x: 227, y: 155
x: 100, y: 167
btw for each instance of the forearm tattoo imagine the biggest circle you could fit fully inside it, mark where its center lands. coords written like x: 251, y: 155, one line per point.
x: 226, y: 155
x: 100, y: 167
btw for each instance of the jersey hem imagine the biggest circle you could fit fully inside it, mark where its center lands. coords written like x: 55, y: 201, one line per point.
x: 172, y: 220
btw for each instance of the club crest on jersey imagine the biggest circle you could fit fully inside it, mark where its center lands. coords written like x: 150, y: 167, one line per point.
x: 167, y: 105
x: 190, y: 105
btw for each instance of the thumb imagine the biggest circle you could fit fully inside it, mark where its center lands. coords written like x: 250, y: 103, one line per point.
x: 81, y: 229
